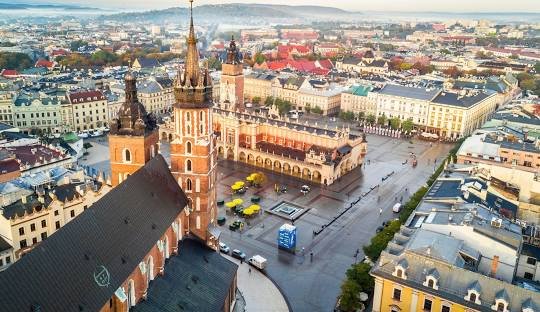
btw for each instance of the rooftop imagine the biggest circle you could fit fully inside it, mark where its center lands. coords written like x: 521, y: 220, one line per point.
x: 410, y: 92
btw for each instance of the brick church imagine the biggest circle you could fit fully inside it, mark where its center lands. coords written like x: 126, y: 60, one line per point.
x: 150, y: 243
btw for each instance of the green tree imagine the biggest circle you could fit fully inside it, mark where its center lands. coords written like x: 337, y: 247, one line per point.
x: 269, y: 101
x: 528, y: 84
x: 103, y: 58
x: 350, y: 296
x: 381, y: 120
x: 256, y: 100
x: 259, y: 58
x: 316, y: 110
x: 445, y: 51
x: 407, y: 125
x: 361, y: 115
x: 359, y: 273
x: 214, y: 63
x: 15, y: 60
x: 346, y: 115
x: 537, y: 67
x: 394, y: 123
x: 75, y: 45
x: 370, y: 119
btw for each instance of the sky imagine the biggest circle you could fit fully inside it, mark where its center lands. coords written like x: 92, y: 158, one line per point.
x: 351, y: 5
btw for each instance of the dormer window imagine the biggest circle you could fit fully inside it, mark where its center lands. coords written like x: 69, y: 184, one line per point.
x: 400, y: 270
x: 432, y: 279
x: 501, y: 302
x: 473, y: 293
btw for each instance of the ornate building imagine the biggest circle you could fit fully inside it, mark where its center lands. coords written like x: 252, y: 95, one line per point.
x: 133, y: 139
x: 232, y: 80
x: 193, y: 148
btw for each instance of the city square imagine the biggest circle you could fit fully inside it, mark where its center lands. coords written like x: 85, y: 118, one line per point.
x: 335, y: 248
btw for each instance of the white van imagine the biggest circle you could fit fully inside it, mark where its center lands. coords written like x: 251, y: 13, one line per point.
x: 257, y: 261
x: 397, y: 207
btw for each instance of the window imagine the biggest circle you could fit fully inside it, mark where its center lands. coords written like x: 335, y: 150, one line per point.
x: 57, y: 225
x: 528, y: 276
x: 43, y: 223
x: 23, y: 243
x: 445, y: 308
x: 85, y: 206
x: 43, y: 235
x: 56, y: 212
x: 500, y: 307
x: 472, y: 297
x: 34, y: 240
x: 188, y: 165
x: 1, y: 262
x: 127, y: 155
x: 72, y: 213
x: 531, y: 261
x: 430, y: 283
x: 427, y: 305
x: 397, y: 294
x: 8, y: 260
x: 399, y: 273
x: 188, y: 147
x: 21, y: 231
x: 201, y: 116
x: 188, y: 185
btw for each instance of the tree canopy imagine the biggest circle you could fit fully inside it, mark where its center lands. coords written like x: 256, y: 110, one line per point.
x: 15, y: 60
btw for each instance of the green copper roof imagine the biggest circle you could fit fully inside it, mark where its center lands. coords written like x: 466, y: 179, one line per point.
x: 360, y: 90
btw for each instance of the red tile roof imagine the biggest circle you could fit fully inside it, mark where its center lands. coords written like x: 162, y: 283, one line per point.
x: 85, y: 96
x: 44, y: 63
x: 33, y: 155
x: 9, y: 73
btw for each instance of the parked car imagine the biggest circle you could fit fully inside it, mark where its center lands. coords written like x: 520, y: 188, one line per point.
x: 397, y: 207
x: 257, y: 261
x: 224, y: 248
x: 238, y: 254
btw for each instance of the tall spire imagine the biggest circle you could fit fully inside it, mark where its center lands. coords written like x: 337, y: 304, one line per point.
x: 192, y: 71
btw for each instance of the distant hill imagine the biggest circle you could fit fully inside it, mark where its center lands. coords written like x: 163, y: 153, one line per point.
x: 25, y: 6
x: 236, y: 12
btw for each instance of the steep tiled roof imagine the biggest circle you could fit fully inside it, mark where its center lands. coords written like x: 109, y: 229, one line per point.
x: 109, y: 239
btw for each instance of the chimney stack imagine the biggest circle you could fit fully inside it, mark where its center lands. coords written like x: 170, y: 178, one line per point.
x: 494, y: 265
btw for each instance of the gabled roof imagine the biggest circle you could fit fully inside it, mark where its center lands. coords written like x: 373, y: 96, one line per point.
x: 148, y: 62
x: 108, y: 240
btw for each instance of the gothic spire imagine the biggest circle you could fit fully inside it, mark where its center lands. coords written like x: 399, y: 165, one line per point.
x: 192, y: 71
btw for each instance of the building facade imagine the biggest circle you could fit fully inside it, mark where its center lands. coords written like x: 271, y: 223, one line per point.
x: 6, y: 106
x: 359, y: 99
x: 38, y: 112
x: 87, y: 110
x: 258, y: 85
x: 232, y: 80
x: 156, y: 94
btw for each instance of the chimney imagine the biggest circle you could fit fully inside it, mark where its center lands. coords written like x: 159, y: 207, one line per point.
x: 494, y: 265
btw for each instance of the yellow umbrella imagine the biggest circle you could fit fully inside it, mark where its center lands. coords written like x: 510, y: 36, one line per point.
x: 255, y: 207
x: 240, y: 183
x: 230, y: 204
x: 248, y: 212
x: 249, y: 178
x: 238, y: 201
x: 236, y: 187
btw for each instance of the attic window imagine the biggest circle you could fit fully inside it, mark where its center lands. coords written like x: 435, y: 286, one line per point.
x: 501, y: 305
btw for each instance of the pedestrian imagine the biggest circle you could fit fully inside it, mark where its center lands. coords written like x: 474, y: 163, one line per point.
x: 380, y: 211
x: 311, y: 256
x: 241, y: 261
x: 303, y: 251
x: 250, y: 270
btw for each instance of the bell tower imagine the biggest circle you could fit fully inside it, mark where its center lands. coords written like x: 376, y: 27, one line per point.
x: 193, y: 149
x: 232, y: 80
x: 133, y: 139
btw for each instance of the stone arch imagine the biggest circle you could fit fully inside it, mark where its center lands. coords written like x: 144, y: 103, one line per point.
x: 251, y: 158
x: 242, y: 157
x: 260, y: 161
x: 316, y: 176
x: 268, y: 163
x: 306, y: 173
x: 277, y: 165
x: 230, y: 153
x: 296, y: 170
x: 286, y: 168
x: 164, y: 136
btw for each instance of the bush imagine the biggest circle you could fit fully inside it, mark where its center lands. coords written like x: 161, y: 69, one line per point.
x: 316, y: 110
x: 87, y: 145
x: 350, y: 296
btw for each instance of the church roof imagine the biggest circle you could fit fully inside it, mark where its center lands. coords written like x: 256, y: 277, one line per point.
x: 81, y: 266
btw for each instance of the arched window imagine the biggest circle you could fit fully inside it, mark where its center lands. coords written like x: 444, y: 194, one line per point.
x: 197, y: 185
x: 472, y: 297
x: 500, y: 307
x: 127, y: 155
x: 166, y: 247
x: 132, y: 300
x: 399, y: 273
x: 188, y: 116
x: 152, y: 151
x: 188, y: 185
x: 188, y: 147
x: 201, y: 116
x: 430, y: 283
x: 201, y: 129
x: 150, y: 269
x: 197, y: 203
x: 198, y: 223
x: 188, y: 129
x: 188, y: 165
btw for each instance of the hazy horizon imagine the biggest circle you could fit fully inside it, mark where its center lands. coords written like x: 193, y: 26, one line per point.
x: 455, y: 6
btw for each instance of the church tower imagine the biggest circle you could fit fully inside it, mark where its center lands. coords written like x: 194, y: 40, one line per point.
x: 193, y: 149
x: 133, y: 139
x: 232, y: 80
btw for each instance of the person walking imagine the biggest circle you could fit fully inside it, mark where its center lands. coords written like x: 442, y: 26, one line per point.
x: 250, y: 271
x: 380, y: 211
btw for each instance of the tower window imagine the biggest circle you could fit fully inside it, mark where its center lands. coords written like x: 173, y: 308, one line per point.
x: 188, y: 165
x: 188, y: 147
x: 127, y: 155
x: 188, y: 185
x: 188, y: 116
x: 188, y: 129
x: 201, y: 116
